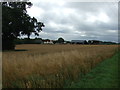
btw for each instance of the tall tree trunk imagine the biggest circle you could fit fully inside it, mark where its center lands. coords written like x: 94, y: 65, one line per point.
x: 8, y: 44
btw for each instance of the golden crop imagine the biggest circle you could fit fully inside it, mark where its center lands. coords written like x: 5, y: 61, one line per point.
x: 50, y: 66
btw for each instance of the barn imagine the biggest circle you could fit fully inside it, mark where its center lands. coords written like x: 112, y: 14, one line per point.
x: 47, y: 41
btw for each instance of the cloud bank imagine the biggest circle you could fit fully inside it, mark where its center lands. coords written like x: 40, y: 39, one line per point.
x: 77, y: 20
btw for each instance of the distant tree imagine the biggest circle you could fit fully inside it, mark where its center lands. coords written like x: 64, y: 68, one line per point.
x: 38, y: 38
x: 89, y: 42
x: 60, y: 40
x: 55, y: 41
x: 85, y: 42
x: 16, y: 22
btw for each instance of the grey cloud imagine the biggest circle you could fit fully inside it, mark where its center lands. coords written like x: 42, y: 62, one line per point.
x: 77, y: 20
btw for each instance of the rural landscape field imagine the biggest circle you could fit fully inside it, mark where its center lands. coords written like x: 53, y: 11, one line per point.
x: 59, y: 44
x: 51, y: 66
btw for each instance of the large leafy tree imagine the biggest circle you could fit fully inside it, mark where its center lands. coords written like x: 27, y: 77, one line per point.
x: 16, y: 22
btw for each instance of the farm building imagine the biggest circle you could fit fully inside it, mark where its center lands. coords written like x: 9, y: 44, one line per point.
x: 47, y: 41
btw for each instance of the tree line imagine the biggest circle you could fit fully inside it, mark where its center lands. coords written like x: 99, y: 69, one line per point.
x: 38, y: 41
x: 61, y: 41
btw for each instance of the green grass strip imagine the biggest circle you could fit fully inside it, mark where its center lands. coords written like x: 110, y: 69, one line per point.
x: 105, y: 75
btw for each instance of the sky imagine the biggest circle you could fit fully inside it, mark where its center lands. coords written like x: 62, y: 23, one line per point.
x: 76, y: 20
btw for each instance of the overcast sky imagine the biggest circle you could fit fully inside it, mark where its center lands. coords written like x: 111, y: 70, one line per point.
x: 77, y: 20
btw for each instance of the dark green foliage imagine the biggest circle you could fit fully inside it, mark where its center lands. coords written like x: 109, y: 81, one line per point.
x: 16, y: 22
x: 28, y: 41
x: 60, y: 40
x: 85, y: 42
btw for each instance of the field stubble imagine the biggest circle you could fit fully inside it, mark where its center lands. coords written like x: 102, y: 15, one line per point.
x: 51, y: 66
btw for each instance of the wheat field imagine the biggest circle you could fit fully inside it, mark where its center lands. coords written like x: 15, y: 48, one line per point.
x: 51, y: 66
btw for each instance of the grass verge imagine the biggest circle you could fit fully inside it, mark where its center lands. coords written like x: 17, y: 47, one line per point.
x: 105, y: 75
